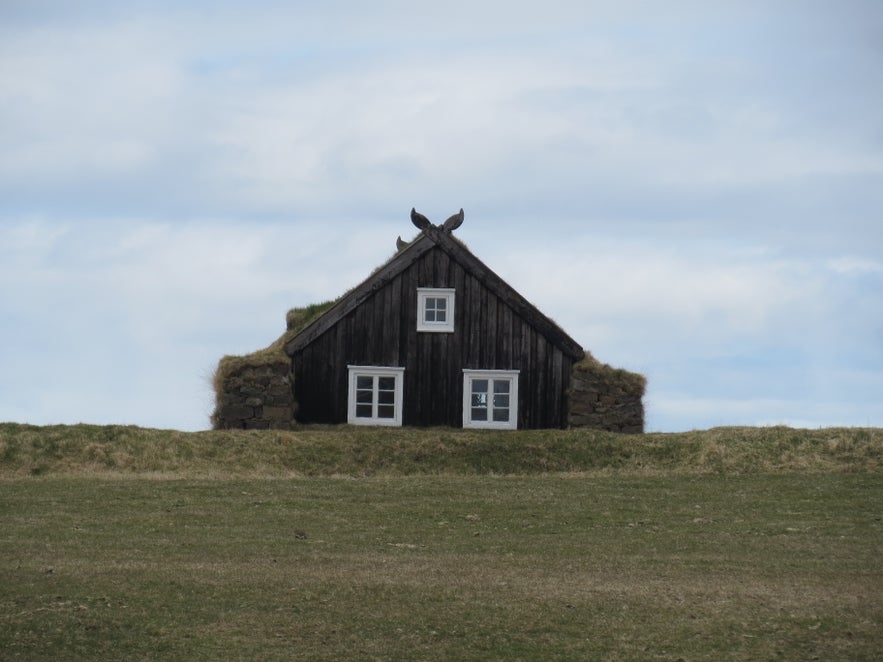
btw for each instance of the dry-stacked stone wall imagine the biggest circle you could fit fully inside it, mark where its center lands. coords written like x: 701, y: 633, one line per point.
x: 606, y: 398
x: 255, y: 396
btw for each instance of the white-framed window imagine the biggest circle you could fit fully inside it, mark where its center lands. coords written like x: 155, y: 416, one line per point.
x: 435, y: 309
x: 490, y: 399
x: 375, y: 395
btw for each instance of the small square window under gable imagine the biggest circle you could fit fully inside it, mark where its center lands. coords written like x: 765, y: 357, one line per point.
x: 435, y: 309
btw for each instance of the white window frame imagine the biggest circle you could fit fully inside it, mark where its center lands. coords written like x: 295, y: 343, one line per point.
x: 491, y: 375
x: 426, y: 293
x: 356, y: 371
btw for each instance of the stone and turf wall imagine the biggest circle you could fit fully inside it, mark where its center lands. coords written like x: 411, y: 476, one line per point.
x: 255, y: 396
x: 606, y: 398
x: 255, y: 392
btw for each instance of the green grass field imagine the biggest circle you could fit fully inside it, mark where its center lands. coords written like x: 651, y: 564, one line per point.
x: 123, y: 543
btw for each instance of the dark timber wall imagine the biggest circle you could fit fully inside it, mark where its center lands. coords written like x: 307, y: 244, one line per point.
x: 381, y: 331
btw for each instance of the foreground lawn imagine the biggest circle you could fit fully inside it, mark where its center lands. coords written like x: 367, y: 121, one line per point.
x: 558, y: 566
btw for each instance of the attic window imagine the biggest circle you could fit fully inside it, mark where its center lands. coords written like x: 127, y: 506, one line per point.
x: 490, y: 399
x: 435, y: 309
x: 375, y: 395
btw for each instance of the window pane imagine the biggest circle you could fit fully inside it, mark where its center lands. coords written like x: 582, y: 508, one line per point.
x: 386, y: 397
x: 479, y: 400
x: 479, y: 414
x: 501, y: 415
x: 364, y: 397
x: 435, y: 310
x: 387, y: 384
x: 363, y: 411
x: 479, y: 386
x: 501, y: 401
x: 501, y: 386
x: 386, y: 411
x: 364, y: 382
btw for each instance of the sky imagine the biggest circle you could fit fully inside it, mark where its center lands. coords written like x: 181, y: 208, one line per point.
x: 692, y: 189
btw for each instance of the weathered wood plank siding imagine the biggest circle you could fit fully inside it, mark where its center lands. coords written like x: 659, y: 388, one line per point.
x: 381, y: 331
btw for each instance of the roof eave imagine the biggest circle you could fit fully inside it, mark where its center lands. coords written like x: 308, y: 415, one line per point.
x: 350, y: 301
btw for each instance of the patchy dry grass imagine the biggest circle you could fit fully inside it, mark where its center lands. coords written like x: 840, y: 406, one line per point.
x: 361, y: 451
x: 616, y: 378
x: 443, y: 567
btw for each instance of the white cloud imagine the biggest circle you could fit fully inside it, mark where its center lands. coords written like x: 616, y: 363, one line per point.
x: 675, y: 188
x: 707, y: 293
x: 86, y: 103
x: 855, y: 265
x: 137, y: 96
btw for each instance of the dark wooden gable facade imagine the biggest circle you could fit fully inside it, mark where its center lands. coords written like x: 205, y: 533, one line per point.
x: 375, y: 324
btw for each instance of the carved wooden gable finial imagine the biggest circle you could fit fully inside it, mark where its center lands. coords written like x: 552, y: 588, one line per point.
x: 419, y: 219
x: 453, y: 222
x: 449, y: 225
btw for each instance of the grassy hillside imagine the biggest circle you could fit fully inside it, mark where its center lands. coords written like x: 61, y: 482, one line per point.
x: 365, y: 543
x: 355, y: 451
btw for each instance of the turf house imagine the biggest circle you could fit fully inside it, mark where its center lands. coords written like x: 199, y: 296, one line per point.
x: 432, y: 338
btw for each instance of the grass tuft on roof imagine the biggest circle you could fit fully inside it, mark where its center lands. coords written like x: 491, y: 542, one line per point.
x: 631, y: 382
